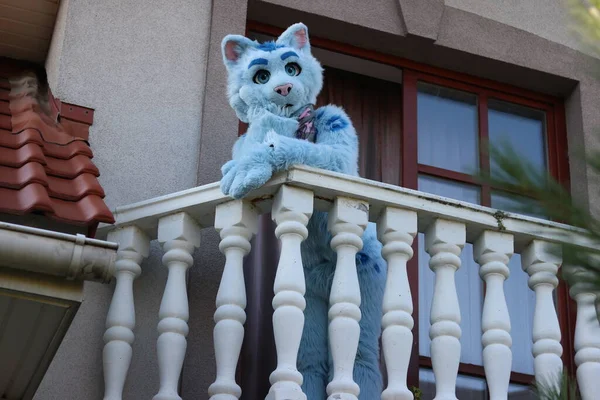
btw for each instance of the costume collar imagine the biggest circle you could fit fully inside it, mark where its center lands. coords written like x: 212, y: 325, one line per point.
x: 306, y: 123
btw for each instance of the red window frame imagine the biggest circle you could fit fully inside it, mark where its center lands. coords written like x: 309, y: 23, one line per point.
x: 557, y: 158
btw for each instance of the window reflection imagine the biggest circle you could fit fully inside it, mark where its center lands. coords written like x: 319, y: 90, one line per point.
x: 447, y: 126
x: 523, y: 128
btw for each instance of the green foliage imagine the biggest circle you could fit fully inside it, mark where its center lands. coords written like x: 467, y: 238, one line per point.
x: 416, y: 392
x: 586, y: 23
x: 565, y: 390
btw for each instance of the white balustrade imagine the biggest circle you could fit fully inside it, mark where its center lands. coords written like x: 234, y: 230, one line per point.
x: 292, y: 209
x: 179, y: 235
x: 444, y: 241
x: 492, y: 251
x: 542, y: 266
x: 347, y: 221
x: 292, y: 196
x: 134, y: 246
x: 237, y: 222
x: 396, y: 230
x: 587, y: 336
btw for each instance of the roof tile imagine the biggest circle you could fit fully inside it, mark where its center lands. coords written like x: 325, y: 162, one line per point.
x: 70, y: 168
x: 17, y: 178
x: 17, y: 157
x: 45, y: 160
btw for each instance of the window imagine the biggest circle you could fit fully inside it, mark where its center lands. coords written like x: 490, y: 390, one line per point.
x: 425, y: 128
x: 454, y: 121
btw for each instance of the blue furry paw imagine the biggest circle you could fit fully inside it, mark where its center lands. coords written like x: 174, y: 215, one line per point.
x: 249, y: 173
x: 227, y: 166
x: 228, y: 176
x: 248, y: 179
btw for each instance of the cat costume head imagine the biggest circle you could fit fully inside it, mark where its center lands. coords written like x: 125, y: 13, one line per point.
x: 281, y: 76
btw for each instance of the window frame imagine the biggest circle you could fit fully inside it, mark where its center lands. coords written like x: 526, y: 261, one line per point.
x: 557, y: 162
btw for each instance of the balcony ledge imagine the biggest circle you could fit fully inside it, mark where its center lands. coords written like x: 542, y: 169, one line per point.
x: 200, y: 203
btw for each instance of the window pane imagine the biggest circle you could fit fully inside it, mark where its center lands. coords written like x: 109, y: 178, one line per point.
x: 523, y: 128
x: 447, y: 127
x: 448, y: 188
x: 520, y: 392
x: 470, y: 388
x: 514, y: 203
x: 521, y: 303
x: 467, y: 387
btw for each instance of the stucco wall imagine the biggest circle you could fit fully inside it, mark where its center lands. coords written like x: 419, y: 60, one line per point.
x: 545, y: 18
x: 141, y: 65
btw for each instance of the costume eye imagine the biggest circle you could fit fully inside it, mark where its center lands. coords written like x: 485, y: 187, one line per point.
x: 262, y: 76
x: 293, y: 69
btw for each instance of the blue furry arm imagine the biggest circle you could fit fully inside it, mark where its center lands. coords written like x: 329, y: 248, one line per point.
x: 258, y: 129
x: 253, y: 140
x: 336, y: 148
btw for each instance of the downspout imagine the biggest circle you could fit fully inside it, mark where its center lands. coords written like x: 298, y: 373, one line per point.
x: 73, y: 257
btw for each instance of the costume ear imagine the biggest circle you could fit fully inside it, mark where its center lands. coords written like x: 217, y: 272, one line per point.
x: 296, y: 36
x: 233, y: 47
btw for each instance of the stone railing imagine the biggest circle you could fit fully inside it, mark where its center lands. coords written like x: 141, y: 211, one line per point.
x: 175, y: 221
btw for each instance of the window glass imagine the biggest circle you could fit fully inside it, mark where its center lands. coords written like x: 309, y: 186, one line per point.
x: 520, y: 392
x: 447, y: 127
x: 520, y: 301
x: 523, y: 128
x: 470, y: 388
x: 448, y: 188
x: 515, y: 203
x: 467, y: 387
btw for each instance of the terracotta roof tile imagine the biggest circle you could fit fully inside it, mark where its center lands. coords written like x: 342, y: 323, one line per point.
x: 31, y: 198
x: 5, y: 123
x: 4, y: 108
x: 16, y: 178
x: 15, y: 158
x: 71, y: 168
x: 45, y: 161
x: 74, y: 189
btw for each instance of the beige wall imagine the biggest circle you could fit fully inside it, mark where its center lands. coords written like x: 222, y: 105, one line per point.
x: 545, y: 18
x: 141, y: 65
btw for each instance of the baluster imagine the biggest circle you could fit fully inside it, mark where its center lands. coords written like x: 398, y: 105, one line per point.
x: 134, y: 246
x: 237, y: 222
x: 587, y: 335
x: 396, y: 230
x: 291, y: 211
x: 542, y: 267
x: 492, y: 251
x: 347, y: 221
x: 444, y: 241
x: 179, y: 234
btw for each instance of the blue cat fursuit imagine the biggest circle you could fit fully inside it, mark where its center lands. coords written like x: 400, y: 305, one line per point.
x: 273, y: 86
